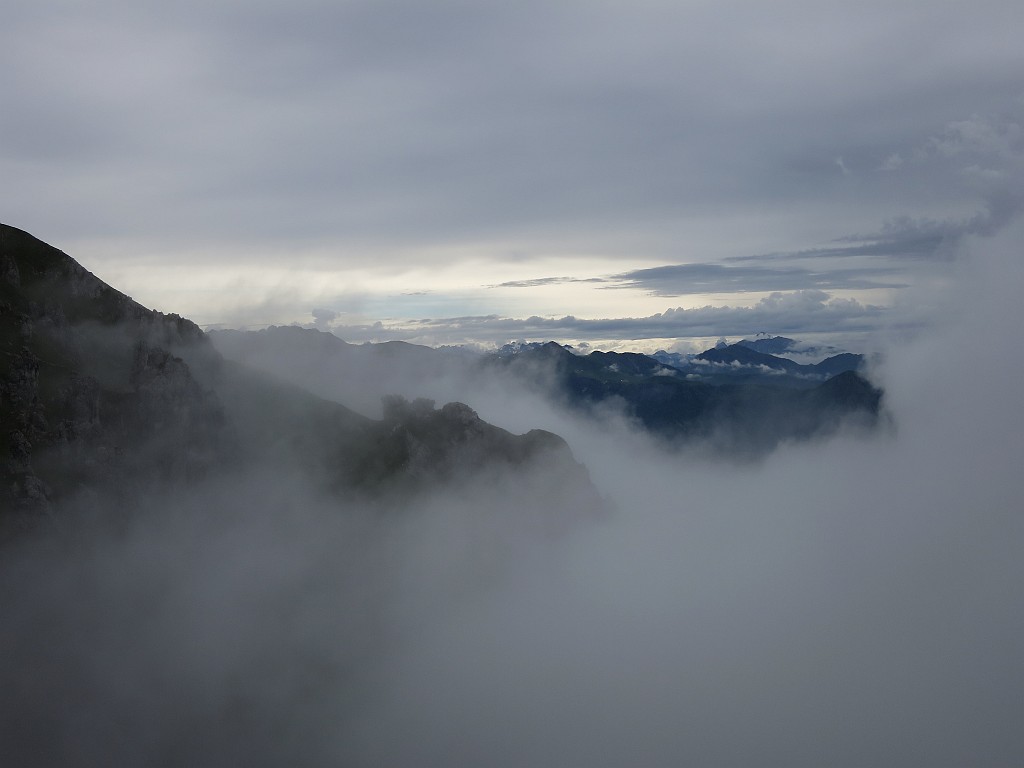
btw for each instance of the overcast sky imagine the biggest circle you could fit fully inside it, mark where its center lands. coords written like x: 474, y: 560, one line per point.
x: 446, y: 171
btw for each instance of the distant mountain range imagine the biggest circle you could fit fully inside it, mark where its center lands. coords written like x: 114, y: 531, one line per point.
x: 737, y: 399
x: 99, y: 394
x: 731, y: 363
x: 732, y: 397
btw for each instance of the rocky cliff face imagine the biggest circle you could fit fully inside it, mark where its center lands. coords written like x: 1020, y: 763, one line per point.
x: 98, y: 392
x: 90, y: 394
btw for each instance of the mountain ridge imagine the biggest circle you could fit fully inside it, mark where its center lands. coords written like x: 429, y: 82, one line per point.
x: 97, y: 392
x: 766, y: 406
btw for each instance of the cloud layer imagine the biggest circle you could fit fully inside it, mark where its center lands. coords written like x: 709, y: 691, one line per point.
x: 850, y: 603
x: 809, y: 313
x: 371, y: 138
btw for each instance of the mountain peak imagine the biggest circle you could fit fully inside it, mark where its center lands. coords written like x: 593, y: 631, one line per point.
x: 769, y: 345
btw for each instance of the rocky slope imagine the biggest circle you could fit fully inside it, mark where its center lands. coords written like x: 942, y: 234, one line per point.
x: 100, y: 394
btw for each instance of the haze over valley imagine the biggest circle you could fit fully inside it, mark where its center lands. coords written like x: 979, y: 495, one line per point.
x: 257, y: 573
x: 388, y: 383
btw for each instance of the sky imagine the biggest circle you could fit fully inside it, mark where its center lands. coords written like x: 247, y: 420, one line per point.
x: 633, y: 176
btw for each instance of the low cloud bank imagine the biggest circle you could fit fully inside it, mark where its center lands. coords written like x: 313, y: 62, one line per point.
x: 849, y: 603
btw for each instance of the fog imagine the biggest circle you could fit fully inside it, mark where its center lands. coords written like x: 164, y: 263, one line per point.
x: 847, y: 603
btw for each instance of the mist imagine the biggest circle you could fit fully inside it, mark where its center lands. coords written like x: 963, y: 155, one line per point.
x: 847, y: 603
x: 854, y: 602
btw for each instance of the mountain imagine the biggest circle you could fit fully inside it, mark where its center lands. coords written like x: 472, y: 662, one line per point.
x: 742, y: 400
x: 837, y: 364
x: 354, y: 374
x: 772, y: 345
x: 742, y: 363
x: 748, y: 414
x: 99, y: 394
x: 745, y: 356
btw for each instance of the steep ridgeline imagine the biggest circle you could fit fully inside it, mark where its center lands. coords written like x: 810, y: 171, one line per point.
x: 99, y: 394
x: 87, y: 376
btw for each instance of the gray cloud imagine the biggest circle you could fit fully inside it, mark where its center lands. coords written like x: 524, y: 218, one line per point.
x: 800, y: 312
x: 322, y: 318
x: 369, y: 136
x: 687, y: 279
x: 849, y: 603
x: 683, y: 279
x: 372, y: 124
x: 542, y: 281
x: 901, y: 238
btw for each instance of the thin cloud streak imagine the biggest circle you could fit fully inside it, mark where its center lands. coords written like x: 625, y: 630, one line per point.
x: 545, y: 281
x: 802, y: 312
x: 686, y: 279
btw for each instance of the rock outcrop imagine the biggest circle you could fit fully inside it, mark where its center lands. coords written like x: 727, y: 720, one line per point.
x: 425, y: 442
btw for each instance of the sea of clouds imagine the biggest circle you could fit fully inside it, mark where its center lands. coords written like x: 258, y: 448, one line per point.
x: 847, y: 603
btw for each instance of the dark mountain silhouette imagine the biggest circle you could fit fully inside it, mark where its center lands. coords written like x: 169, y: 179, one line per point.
x: 739, y: 353
x: 748, y: 415
x: 841, y: 363
x: 741, y: 399
x: 98, y: 393
x: 769, y: 345
x: 781, y: 345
